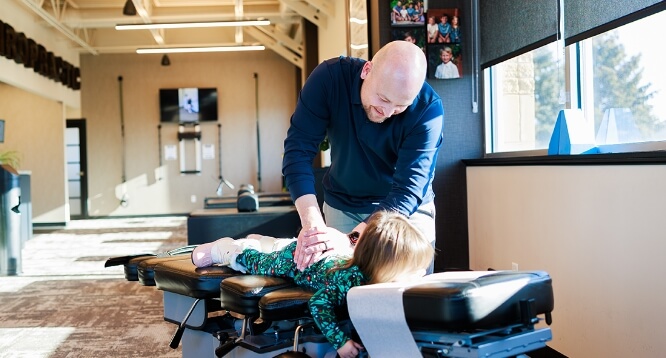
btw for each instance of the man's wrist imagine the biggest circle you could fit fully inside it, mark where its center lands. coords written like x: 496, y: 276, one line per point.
x: 308, y: 212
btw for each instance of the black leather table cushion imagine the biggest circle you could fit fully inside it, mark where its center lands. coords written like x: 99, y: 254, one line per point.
x: 284, y: 304
x: 131, y: 262
x: 182, y: 277
x: 146, y: 268
x: 241, y: 294
x: 483, y: 303
x: 132, y: 265
x: 291, y: 303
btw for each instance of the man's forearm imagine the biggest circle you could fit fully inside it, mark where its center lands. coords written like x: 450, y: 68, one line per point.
x: 308, y: 211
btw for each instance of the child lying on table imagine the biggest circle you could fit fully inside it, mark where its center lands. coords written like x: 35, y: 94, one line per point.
x: 390, y: 249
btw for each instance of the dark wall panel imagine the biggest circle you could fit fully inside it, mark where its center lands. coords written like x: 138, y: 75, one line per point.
x: 463, y: 139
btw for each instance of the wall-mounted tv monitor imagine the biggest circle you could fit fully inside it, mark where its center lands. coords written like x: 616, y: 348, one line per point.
x: 188, y: 105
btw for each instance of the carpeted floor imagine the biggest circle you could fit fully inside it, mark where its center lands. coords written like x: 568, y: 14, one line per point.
x: 66, y: 303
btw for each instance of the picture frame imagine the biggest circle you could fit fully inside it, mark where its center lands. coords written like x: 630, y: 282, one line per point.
x: 444, y: 48
x: 444, y: 61
x: 415, y: 35
x: 407, y: 12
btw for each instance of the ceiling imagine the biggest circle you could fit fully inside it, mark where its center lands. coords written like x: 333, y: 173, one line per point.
x: 90, y: 24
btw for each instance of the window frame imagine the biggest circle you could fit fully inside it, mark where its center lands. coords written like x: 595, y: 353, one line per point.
x: 578, y: 87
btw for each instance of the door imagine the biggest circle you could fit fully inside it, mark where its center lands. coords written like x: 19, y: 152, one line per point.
x: 75, y: 141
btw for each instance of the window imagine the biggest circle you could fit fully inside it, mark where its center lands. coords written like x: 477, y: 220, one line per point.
x: 629, y: 83
x: 615, y: 78
x: 525, y: 100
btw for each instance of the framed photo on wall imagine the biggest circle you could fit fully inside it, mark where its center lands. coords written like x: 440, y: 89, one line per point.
x: 415, y: 35
x: 407, y: 12
x: 444, y: 43
x: 408, y: 22
x: 444, y: 61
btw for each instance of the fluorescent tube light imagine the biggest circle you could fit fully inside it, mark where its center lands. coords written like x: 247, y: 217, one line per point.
x: 201, y: 49
x: 183, y: 25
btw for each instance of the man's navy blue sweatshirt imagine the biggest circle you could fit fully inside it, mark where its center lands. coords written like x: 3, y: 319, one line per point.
x: 388, y: 165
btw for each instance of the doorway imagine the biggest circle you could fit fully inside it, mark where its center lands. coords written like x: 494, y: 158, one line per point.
x: 77, y: 168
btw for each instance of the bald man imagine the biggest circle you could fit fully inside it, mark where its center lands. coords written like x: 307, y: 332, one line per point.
x: 384, y: 125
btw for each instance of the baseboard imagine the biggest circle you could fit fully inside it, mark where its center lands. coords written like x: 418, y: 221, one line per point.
x: 53, y: 225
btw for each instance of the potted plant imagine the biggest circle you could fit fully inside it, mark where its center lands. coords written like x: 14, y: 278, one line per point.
x: 11, y: 159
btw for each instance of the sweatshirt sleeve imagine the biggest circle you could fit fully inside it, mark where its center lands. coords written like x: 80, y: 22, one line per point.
x: 306, y: 131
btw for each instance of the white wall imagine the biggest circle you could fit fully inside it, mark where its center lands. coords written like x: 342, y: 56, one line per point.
x: 155, y: 187
x: 599, y: 231
x: 34, y: 128
x: 333, y: 36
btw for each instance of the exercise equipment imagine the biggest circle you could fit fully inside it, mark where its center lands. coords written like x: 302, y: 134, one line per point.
x: 190, y: 133
x: 208, y: 225
x: 159, y: 146
x: 124, y: 197
x: 223, y: 182
x: 265, y: 200
x: 256, y: 112
x: 247, y: 200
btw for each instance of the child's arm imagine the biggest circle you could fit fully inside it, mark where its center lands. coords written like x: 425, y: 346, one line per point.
x: 323, y: 304
x: 349, y: 350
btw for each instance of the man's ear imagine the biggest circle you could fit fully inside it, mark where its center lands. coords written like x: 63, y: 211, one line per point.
x: 367, y: 67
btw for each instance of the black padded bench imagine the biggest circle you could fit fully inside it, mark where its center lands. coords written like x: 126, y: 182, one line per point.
x: 459, y: 314
x: 221, y: 312
x: 270, y: 311
x: 131, y: 263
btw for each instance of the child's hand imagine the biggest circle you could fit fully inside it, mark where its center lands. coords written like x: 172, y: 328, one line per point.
x: 350, y: 349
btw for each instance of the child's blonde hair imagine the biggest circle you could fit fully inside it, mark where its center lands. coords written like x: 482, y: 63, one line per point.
x: 390, y: 246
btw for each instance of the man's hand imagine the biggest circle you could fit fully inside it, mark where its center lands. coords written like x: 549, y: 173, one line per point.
x: 300, y: 257
x: 314, y: 242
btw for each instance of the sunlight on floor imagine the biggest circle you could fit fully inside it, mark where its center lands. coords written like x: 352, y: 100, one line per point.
x: 78, y: 252
x: 82, y: 248
x: 71, y: 254
x: 31, y: 342
x: 9, y: 284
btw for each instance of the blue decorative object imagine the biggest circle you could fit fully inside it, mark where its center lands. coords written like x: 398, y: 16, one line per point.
x: 572, y: 134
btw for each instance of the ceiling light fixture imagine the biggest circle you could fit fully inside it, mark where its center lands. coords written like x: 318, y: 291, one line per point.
x: 201, y: 49
x: 183, y: 25
x: 129, y: 9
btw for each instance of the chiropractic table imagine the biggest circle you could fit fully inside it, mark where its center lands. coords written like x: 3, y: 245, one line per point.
x: 220, y: 312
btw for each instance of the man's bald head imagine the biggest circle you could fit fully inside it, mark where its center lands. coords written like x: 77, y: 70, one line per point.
x: 404, y: 62
x: 392, y: 79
